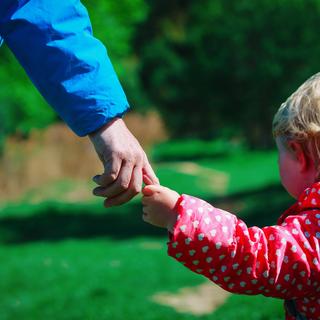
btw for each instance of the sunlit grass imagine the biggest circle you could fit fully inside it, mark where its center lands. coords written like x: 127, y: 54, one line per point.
x: 78, y: 260
x: 103, y: 279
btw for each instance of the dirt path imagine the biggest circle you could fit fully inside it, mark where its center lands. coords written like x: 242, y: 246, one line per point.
x: 200, y: 300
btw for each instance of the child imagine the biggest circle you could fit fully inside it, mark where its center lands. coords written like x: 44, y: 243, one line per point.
x: 280, y: 261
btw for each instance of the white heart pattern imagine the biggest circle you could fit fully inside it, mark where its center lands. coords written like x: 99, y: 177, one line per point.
x: 205, y: 249
x: 213, y: 232
x: 183, y: 228
x: 195, y: 223
x: 224, y: 229
x: 223, y: 268
x: 201, y: 236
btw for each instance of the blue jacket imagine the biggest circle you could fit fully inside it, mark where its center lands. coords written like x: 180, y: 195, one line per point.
x: 53, y: 41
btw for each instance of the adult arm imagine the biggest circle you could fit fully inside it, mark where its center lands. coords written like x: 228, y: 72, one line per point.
x: 53, y: 41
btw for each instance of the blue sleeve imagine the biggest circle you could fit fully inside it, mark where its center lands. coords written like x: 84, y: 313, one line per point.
x: 53, y: 41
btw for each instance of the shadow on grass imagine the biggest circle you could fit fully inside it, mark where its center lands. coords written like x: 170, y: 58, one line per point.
x: 53, y: 222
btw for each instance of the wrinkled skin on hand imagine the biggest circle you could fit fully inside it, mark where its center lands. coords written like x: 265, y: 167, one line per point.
x: 124, y: 163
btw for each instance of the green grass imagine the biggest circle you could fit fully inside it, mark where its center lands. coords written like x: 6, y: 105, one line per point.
x: 103, y: 279
x: 244, y: 171
x: 68, y: 261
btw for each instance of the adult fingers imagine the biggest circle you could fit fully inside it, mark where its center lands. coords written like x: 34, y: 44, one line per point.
x: 147, y: 181
x: 120, y: 185
x: 148, y: 171
x: 133, y: 189
x: 112, y: 168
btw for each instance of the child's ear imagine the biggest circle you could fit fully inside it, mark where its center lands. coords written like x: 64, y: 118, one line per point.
x: 300, y: 155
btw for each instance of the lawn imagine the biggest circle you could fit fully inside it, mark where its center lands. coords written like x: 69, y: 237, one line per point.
x: 64, y: 260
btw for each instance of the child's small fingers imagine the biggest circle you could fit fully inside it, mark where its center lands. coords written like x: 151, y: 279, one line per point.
x: 145, y: 214
x: 145, y: 218
x: 145, y: 200
x: 149, y: 190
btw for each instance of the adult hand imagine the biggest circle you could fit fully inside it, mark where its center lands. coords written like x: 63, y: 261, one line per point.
x: 124, y: 163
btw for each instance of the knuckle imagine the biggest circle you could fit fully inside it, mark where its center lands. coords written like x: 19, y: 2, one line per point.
x: 118, y: 154
x: 130, y: 161
x: 136, y: 188
x: 124, y: 184
x: 139, y: 157
x: 130, y: 195
x: 113, y: 176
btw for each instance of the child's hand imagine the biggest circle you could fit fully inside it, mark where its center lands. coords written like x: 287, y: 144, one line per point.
x: 158, y: 204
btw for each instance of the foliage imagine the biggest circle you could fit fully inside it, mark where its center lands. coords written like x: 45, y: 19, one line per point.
x: 211, y: 65
x: 21, y: 106
x: 115, y: 24
x: 191, y: 149
x: 214, y: 68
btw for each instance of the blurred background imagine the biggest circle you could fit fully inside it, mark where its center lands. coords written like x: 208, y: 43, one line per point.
x: 204, y: 79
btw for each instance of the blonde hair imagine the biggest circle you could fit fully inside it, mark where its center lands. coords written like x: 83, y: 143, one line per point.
x: 298, y: 118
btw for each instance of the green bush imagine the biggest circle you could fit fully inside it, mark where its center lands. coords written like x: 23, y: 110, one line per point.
x: 215, y: 64
x: 21, y: 106
x: 191, y: 149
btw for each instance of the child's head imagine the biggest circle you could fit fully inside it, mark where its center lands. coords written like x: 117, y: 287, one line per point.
x: 296, y: 127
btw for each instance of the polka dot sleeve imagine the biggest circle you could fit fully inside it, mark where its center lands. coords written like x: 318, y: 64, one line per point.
x: 280, y: 261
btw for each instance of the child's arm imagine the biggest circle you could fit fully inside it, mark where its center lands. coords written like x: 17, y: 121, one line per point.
x: 159, y: 206
x: 276, y: 261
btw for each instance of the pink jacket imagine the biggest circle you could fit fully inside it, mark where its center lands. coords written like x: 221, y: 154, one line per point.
x: 281, y: 261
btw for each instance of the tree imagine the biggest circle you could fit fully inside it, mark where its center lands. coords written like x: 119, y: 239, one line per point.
x: 223, y: 67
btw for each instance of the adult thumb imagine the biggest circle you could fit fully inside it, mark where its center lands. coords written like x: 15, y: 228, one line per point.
x: 147, y: 180
x: 151, y: 177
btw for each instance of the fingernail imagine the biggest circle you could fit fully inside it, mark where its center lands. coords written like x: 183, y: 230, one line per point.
x: 96, y: 192
x: 95, y: 178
